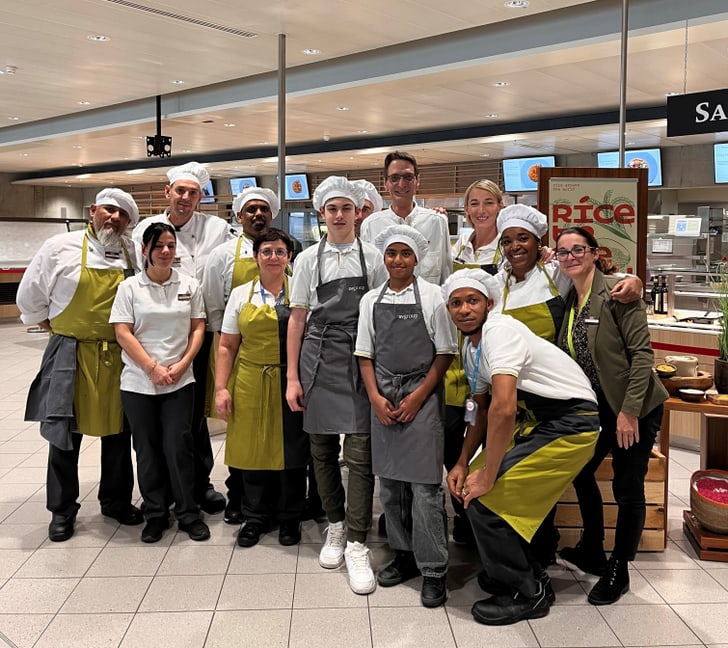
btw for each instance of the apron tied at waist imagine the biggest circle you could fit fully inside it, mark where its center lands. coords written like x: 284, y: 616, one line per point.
x: 321, y: 334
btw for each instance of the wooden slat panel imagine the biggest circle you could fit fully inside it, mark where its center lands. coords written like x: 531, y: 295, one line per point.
x: 567, y: 515
x: 652, y: 539
x: 654, y: 493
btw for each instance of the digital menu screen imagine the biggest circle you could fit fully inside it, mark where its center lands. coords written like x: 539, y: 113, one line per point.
x: 238, y: 184
x: 521, y: 174
x: 720, y: 162
x: 649, y: 159
x: 297, y: 187
x: 208, y: 193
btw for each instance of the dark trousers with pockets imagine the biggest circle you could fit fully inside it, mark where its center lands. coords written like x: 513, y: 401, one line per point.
x: 204, y: 460
x: 271, y: 495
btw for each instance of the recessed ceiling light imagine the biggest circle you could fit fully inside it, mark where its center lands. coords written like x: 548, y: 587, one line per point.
x: 135, y: 171
x: 186, y: 150
x: 229, y: 125
x: 485, y: 155
x: 14, y: 118
x: 492, y: 115
x: 84, y: 103
x: 671, y: 94
x: 311, y: 51
x: 83, y: 176
x: 77, y: 146
x: 24, y: 155
x: 9, y: 69
x: 362, y: 131
x: 516, y: 4
x: 177, y: 82
x: 342, y: 108
x: 98, y: 38
x: 502, y: 84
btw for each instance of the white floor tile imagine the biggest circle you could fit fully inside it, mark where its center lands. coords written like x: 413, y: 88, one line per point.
x: 411, y: 627
x: 573, y: 626
x: 35, y: 595
x: 686, y: 586
x: 107, y: 595
x: 257, y: 592
x: 470, y: 634
x: 264, y: 559
x: 259, y: 628
x: 81, y: 630
x: 194, y: 559
x: 61, y: 562
x: 654, y: 625
x: 326, y: 590
x: 168, y: 630
x: 178, y: 593
x: 330, y: 627
x: 128, y: 561
x: 708, y: 620
x: 23, y: 630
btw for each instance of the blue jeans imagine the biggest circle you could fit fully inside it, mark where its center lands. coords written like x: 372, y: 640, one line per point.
x: 417, y: 522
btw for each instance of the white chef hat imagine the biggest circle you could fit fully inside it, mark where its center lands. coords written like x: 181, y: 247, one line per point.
x: 337, y: 187
x: 522, y: 216
x: 370, y: 193
x: 475, y: 278
x: 191, y: 171
x: 257, y: 193
x: 402, y: 234
x: 118, y: 198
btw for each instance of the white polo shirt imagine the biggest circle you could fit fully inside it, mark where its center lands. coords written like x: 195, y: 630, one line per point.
x: 50, y: 280
x: 437, y: 265
x: 196, y: 239
x: 335, y: 264
x: 241, y: 296
x: 540, y: 367
x: 161, y: 317
x: 437, y: 320
x: 218, y: 278
x: 463, y: 251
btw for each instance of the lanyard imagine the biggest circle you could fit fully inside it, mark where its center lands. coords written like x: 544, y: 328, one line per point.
x: 281, y: 295
x: 570, y: 329
x: 472, y: 380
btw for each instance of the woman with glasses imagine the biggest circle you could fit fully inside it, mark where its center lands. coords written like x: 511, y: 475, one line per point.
x: 611, y: 343
x: 265, y: 439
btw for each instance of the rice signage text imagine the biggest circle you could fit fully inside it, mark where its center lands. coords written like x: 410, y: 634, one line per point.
x: 700, y: 112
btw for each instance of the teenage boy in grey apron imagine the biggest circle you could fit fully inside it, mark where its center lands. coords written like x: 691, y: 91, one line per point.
x: 405, y: 343
x: 323, y: 378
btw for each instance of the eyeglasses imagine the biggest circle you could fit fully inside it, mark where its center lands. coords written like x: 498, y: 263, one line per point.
x: 578, y: 251
x: 407, y: 177
x: 268, y: 253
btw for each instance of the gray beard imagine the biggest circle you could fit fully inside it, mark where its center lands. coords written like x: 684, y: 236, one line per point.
x: 109, y: 238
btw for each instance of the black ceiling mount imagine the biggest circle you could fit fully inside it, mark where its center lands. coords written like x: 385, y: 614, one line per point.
x: 159, y: 145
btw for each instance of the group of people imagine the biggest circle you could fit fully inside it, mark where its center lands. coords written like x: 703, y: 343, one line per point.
x: 420, y: 356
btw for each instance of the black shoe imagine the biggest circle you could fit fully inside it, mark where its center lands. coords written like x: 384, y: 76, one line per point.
x: 233, y: 514
x: 61, y: 527
x: 154, y: 529
x: 612, y: 584
x: 129, y: 515
x: 590, y: 559
x: 314, y: 510
x: 382, y: 525
x: 496, y: 588
x: 434, y: 591
x: 212, y: 502
x: 289, y: 533
x: 197, y: 530
x: 505, y: 609
x: 249, y: 535
x: 401, y: 569
x: 462, y: 532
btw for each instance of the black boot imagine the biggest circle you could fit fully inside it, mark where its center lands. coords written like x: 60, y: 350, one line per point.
x: 587, y: 556
x: 612, y: 584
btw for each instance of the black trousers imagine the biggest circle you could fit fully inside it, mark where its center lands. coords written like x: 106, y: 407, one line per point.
x: 204, y: 460
x: 454, y: 437
x: 117, y: 474
x: 505, y: 555
x: 161, y: 429
x: 628, y: 485
x: 274, y: 494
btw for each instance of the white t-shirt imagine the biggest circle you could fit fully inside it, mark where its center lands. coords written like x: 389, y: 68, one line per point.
x: 540, y: 367
x: 463, y: 251
x: 534, y: 289
x: 335, y: 264
x: 218, y: 278
x: 238, y: 298
x: 195, y: 240
x: 438, y: 323
x: 161, y: 317
x: 50, y: 280
x: 437, y: 265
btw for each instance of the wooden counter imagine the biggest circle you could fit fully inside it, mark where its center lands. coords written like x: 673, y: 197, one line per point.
x: 713, y: 430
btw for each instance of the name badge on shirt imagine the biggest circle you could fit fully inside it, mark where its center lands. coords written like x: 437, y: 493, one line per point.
x: 184, y: 296
x: 112, y: 254
x: 471, y: 411
x: 591, y: 320
x: 177, y: 262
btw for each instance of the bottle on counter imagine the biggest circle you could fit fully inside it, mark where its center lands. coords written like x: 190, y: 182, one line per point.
x: 663, y: 295
x: 653, y: 293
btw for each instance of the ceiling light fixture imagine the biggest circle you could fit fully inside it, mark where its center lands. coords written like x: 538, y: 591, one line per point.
x: 77, y: 146
x: 311, y: 51
x: 501, y: 84
x: 9, y: 70
x: 491, y: 115
x: 516, y: 4
x: 229, y: 125
x: 98, y: 38
x: 671, y: 94
x: 362, y: 131
x: 135, y: 171
x: 342, y: 108
x: 177, y: 82
x: 84, y: 103
x: 14, y: 118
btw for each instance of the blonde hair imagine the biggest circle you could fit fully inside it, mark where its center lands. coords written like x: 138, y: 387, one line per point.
x: 486, y: 185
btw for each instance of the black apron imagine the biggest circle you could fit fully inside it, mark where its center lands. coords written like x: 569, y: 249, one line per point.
x: 403, y: 354
x: 335, y: 398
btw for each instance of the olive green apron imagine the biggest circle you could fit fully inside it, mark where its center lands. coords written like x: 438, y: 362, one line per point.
x: 456, y: 385
x: 97, y: 398
x: 262, y: 432
x: 543, y: 319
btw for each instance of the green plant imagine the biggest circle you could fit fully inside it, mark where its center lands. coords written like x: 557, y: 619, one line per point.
x: 720, y: 285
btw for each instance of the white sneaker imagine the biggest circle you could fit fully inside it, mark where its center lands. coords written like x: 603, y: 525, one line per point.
x: 361, y: 576
x: 332, y: 553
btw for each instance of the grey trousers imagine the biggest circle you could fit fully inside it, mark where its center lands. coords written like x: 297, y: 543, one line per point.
x: 356, y: 505
x: 417, y: 522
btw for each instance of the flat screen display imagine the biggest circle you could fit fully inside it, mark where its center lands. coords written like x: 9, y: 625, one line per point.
x: 297, y: 187
x: 238, y: 184
x: 208, y: 193
x: 720, y: 162
x: 521, y: 174
x: 649, y: 159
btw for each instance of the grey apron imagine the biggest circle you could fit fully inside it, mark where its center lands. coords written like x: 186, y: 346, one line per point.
x: 335, y: 398
x: 403, y: 354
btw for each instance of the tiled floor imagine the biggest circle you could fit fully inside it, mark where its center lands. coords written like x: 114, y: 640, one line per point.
x: 104, y: 588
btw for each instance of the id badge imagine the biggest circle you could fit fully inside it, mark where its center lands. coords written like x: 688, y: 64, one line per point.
x: 471, y: 409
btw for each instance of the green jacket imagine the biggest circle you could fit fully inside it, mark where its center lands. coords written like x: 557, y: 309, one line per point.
x: 619, y: 342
